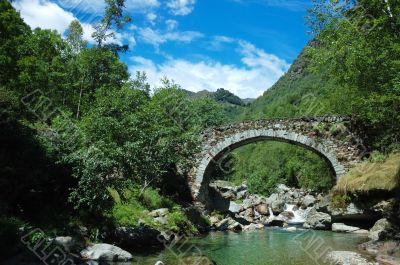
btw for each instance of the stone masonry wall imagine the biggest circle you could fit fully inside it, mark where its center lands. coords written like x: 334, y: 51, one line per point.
x: 333, y: 138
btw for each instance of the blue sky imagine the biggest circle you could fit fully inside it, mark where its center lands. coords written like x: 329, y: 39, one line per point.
x: 241, y: 45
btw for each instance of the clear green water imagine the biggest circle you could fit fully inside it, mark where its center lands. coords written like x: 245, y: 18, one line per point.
x: 265, y: 247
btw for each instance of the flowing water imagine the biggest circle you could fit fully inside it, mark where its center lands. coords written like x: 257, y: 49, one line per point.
x: 265, y: 247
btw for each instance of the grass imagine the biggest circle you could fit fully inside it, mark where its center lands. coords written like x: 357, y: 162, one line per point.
x: 377, y: 174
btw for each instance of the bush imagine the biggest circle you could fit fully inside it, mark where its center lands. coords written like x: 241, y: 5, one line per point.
x: 178, y: 222
x: 129, y: 214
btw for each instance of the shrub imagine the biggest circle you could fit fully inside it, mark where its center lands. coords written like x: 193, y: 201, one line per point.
x: 129, y: 214
x: 178, y: 222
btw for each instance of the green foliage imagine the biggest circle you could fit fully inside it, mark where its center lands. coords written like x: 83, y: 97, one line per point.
x: 152, y: 199
x: 222, y: 95
x: 340, y: 200
x: 264, y: 165
x: 129, y: 214
x: 178, y: 222
x: 359, y: 47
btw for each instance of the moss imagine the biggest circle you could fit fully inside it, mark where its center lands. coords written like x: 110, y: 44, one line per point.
x: 377, y: 174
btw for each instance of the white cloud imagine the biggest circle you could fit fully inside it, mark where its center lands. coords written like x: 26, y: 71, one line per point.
x: 156, y: 37
x: 98, y: 6
x: 259, y: 71
x: 171, y: 24
x: 181, y: 7
x: 48, y: 15
x: 151, y: 17
x: 217, y: 43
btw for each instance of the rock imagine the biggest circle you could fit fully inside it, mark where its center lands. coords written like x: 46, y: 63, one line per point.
x: 69, y: 244
x: 235, y: 227
x: 385, y: 208
x: 317, y: 220
x: 229, y: 195
x: 252, y: 202
x: 105, y: 252
x: 291, y: 229
x: 159, y: 212
x: 281, y: 188
x: 388, y: 260
x: 381, y: 230
x: 140, y: 237
x: 197, y: 260
x: 161, y: 220
x: 308, y: 201
x: 324, y: 204
x: 223, y: 225
x: 263, y: 209
x: 223, y: 185
x: 382, y: 248
x: 347, y: 258
x: 276, y: 222
x: 276, y: 203
x: 286, y: 216
x: 214, y: 220
x: 253, y: 227
x: 159, y: 263
x: 234, y: 207
x: 241, y: 194
x: 342, y: 228
x: 356, y: 211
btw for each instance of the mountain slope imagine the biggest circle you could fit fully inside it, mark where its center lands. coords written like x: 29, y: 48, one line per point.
x: 298, y: 93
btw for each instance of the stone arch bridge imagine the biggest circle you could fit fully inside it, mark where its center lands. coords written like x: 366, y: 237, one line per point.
x: 334, y: 139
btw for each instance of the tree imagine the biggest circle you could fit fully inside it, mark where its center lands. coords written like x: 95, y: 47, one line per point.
x: 75, y: 37
x: 113, y: 19
x: 359, y: 45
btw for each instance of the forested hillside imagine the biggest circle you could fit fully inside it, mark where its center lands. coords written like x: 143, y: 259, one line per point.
x: 350, y: 70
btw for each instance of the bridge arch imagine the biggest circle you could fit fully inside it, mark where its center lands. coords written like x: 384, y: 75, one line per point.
x: 332, y: 138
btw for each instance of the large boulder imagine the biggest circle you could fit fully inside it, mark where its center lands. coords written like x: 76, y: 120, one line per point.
x: 308, y: 201
x: 263, y: 209
x: 141, y: 237
x: 323, y: 204
x: 276, y: 203
x: 382, y: 229
x: 105, y: 252
x: 347, y: 258
x: 318, y: 221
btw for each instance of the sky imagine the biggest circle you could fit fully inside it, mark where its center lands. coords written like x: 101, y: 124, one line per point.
x: 244, y: 46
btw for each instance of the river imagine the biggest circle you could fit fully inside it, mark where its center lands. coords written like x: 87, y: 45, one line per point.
x: 265, y: 247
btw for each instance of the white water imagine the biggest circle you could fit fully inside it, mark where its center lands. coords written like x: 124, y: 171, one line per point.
x: 300, y: 215
x: 271, y: 213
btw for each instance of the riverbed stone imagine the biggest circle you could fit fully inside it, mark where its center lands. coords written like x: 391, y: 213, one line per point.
x: 105, y: 252
x: 317, y: 220
x: 262, y: 209
x: 308, y: 201
x: 381, y: 230
x: 342, y: 228
x: 234, y: 207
